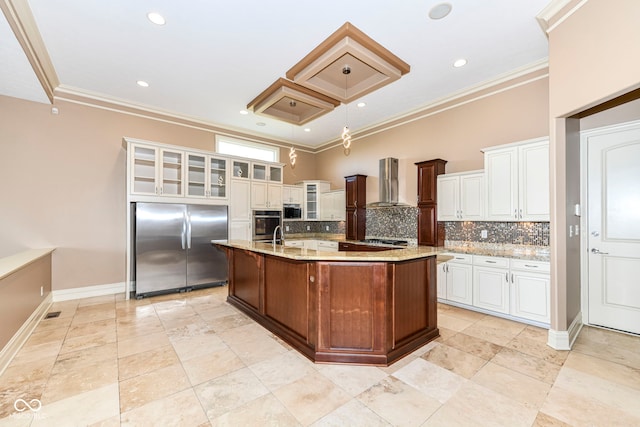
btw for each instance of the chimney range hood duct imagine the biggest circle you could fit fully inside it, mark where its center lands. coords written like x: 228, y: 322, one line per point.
x: 388, y: 183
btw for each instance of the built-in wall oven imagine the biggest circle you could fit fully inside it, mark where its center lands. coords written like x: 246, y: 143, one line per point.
x: 264, y: 224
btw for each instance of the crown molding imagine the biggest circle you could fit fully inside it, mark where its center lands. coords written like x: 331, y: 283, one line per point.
x: 95, y: 100
x: 21, y: 21
x: 515, y: 78
x: 556, y: 12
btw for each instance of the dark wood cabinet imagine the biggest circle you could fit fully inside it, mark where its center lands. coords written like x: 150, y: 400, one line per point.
x: 356, y: 200
x: 430, y: 232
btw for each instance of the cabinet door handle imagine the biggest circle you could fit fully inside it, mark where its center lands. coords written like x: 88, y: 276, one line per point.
x: 512, y: 281
x: 491, y: 262
x: 531, y: 266
x: 515, y: 213
x: 506, y: 276
x: 520, y: 213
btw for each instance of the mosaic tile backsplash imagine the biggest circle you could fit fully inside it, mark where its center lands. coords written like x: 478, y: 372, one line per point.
x: 516, y: 233
x: 400, y: 222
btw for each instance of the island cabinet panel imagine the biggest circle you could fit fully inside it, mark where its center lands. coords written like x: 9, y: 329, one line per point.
x: 352, y: 299
x: 413, y: 288
x: 245, y: 277
x: 286, y: 294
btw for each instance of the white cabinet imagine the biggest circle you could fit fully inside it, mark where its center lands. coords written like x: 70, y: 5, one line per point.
x: 530, y: 288
x: 240, y: 210
x: 266, y: 172
x: 333, y: 206
x: 156, y: 171
x: 455, y: 279
x: 461, y: 196
x: 517, y: 181
x: 311, y: 196
x: 512, y: 286
x: 327, y: 246
x: 292, y: 194
x: 207, y: 176
x: 240, y: 169
x: 491, y: 283
x: 265, y: 195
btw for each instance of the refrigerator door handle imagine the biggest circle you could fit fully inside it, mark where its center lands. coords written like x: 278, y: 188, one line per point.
x: 188, y: 221
x: 183, y: 235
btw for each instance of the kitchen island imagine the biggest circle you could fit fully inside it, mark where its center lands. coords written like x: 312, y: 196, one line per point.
x: 368, y: 308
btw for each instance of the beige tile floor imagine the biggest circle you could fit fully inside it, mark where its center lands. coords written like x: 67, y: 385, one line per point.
x: 193, y: 360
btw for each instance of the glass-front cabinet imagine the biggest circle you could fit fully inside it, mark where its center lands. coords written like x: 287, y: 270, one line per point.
x: 157, y: 171
x: 240, y: 169
x: 266, y: 172
x: 206, y: 176
x: 312, y: 190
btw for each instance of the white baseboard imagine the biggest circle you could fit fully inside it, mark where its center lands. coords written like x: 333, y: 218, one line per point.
x: 88, y: 291
x: 563, y: 340
x: 22, y: 335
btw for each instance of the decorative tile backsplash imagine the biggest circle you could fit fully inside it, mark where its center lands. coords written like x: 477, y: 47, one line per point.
x: 300, y: 227
x: 516, y: 233
x: 394, y: 222
x: 401, y: 222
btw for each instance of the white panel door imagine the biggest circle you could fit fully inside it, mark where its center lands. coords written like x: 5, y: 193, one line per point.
x: 614, y: 228
x: 459, y: 283
x: 442, y: 281
x: 239, y: 201
x: 530, y: 297
x: 448, y: 197
x: 471, y: 197
x: 259, y: 195
x: 501, y: 174
x: 533, y: 182
x: 491, y: 289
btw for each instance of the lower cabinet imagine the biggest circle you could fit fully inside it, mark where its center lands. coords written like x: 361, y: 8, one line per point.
x: 491, y: 283
x: 513, y: 287
x: 455, y: 279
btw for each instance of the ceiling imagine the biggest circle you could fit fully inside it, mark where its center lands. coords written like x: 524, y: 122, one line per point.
x: 211, y: 59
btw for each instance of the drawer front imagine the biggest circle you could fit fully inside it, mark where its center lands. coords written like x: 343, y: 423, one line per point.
x: 533, y: 266
x: 491, y: 261
x: 461, y: 258
x: 325, y: 245
x: 294, y: 243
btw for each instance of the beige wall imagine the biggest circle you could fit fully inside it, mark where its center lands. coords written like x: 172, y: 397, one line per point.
x: 591, y: 60
x: 455, y: 133
x: 64, y: 183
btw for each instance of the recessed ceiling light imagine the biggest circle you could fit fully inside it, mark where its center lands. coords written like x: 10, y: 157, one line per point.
x: 156, y: 18
x: 307, y: 129
x: 439, y: 11
x: 361, y: 104
x: 261, y: 124
x: 244, y: 112
x: 142, y: 83
x: 460, y: 63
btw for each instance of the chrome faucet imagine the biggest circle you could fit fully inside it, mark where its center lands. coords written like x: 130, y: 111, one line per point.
x: 275, y: 232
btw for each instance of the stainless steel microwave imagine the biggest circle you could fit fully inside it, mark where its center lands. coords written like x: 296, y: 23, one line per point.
x: 292, y: 212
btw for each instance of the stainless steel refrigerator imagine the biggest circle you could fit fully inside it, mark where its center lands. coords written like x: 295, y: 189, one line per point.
x: 173, y: 250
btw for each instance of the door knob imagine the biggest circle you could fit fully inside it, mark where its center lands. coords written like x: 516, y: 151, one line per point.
x: 597, y: 251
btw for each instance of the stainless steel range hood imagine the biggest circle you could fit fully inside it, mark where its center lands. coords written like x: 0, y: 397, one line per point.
x: 388, y: 183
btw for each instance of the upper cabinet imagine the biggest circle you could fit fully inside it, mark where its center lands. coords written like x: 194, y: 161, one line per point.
x: 292, y: 194
x: 207, y: 176
x: 240, y: 169
x: 355, y: 201
x: 311, y: 196
x: 461, y: 196
x: 266, y: 172
x: 156, y: 171
x: 517, y: 181
x: 332, y: 205
x: 430, y: 232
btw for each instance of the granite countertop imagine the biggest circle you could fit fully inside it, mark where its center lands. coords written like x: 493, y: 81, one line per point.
x: 10, y: 264
x: 302, y: 254
x: 505, y: 251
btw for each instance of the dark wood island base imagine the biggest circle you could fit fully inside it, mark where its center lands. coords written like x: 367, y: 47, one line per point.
x: 337, y: 311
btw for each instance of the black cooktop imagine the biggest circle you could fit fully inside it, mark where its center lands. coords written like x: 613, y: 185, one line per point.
x: 386, y: 242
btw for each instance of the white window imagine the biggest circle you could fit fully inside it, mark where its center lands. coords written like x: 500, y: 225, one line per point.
x: 242, y: 148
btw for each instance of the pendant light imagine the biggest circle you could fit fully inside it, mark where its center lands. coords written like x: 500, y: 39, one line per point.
x: 292, y: 151
x: 346, y: 135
